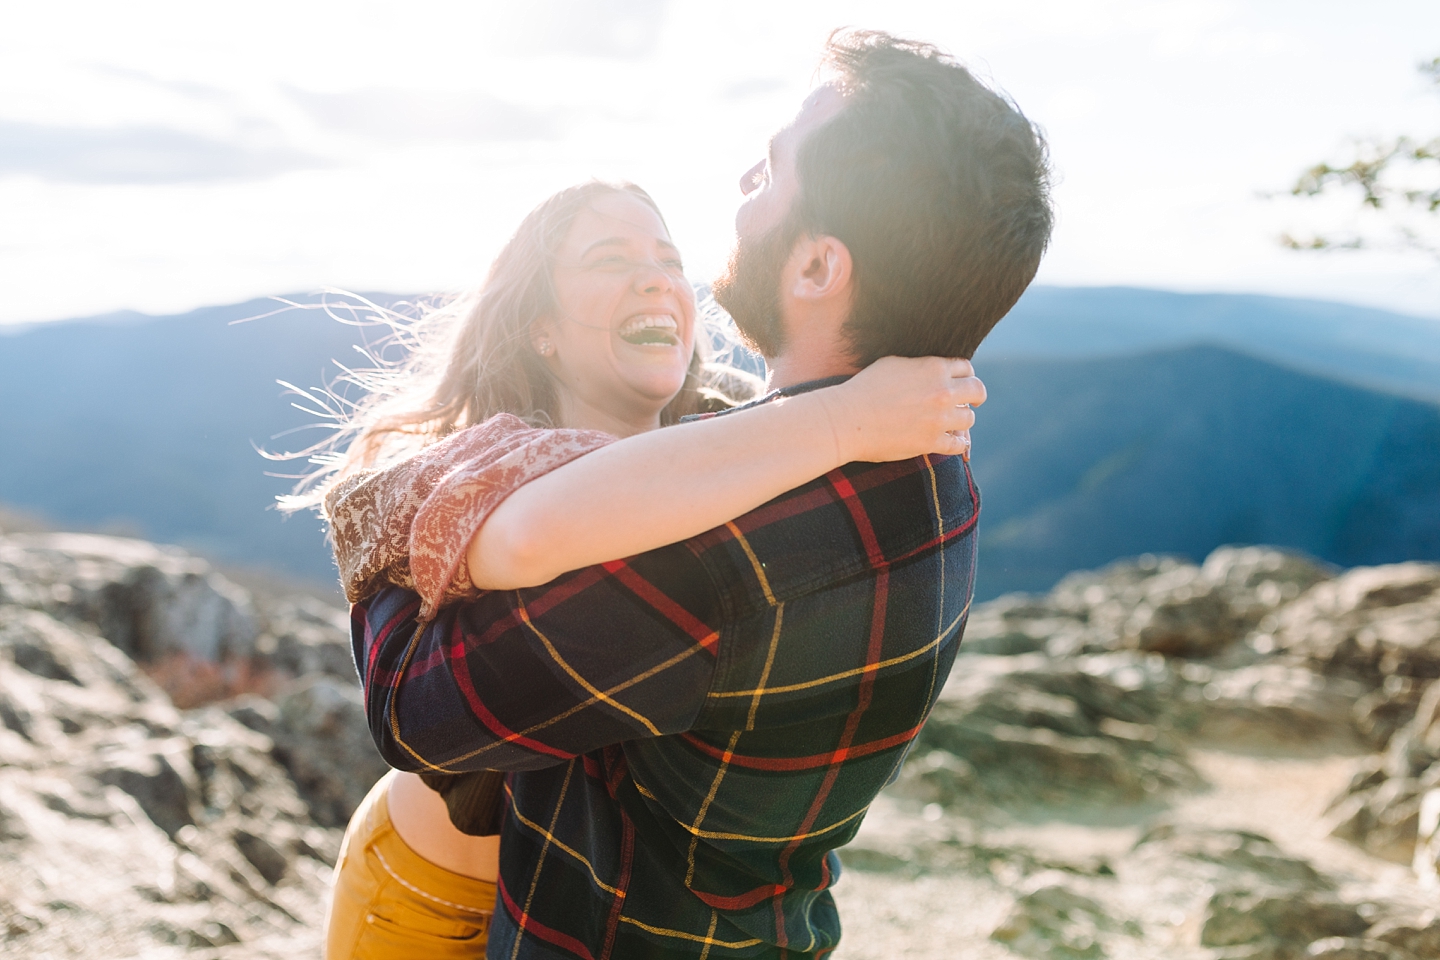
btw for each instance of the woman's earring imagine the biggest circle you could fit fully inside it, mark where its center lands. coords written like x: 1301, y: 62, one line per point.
x: 545, y: 348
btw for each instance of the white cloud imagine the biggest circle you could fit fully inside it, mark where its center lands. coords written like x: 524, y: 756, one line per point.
x: 396, y: 146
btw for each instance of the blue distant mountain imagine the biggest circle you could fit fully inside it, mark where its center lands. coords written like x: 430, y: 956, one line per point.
x: 1182, y: 450
x: 1120, y: 422
x: 150, y: 425
x: 1374, y: 348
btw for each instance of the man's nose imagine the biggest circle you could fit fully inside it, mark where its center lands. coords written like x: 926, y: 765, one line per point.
x: 751, y: 179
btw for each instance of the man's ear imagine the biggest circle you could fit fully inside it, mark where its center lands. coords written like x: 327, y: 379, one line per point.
x: 820, y: 269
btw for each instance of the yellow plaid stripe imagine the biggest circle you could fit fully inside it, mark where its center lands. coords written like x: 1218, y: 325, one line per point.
x: 848, y: 674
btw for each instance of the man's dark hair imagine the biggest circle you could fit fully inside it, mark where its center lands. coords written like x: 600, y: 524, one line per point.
x: 938, y: 185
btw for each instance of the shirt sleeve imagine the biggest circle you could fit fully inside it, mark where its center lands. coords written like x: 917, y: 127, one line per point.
x: 522, y: 679
x: 410, y: 524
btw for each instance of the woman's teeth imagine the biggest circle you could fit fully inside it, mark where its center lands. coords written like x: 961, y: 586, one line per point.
x: 657, y: 330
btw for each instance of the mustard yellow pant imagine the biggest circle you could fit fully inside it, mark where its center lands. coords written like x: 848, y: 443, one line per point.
x: 390, y: 903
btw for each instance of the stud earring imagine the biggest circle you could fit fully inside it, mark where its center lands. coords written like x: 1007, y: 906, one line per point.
x: 545, y: 348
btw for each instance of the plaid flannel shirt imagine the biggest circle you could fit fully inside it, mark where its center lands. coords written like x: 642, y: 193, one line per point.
x: 692, y: 731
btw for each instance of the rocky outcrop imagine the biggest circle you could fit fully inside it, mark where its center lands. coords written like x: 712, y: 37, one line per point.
x: 181, y: 754
x: 151, y: 602
x: 1091, y: 705
x: 1372, y: 623
x: 128, y: 824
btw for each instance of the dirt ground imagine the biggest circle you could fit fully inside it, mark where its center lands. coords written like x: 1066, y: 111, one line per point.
x: 896, y: 913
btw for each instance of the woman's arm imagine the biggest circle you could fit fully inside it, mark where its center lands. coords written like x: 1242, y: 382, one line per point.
x: 661, y: 487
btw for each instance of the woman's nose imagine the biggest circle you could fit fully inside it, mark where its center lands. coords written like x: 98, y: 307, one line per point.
x: 651, y: 278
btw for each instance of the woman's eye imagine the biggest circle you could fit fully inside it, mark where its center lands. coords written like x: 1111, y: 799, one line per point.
x: 675, y: 265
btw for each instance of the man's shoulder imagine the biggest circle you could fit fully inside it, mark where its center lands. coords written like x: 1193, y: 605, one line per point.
x: 852, y: 522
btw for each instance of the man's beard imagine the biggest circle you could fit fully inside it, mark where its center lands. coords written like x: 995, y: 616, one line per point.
x: 749, y: 289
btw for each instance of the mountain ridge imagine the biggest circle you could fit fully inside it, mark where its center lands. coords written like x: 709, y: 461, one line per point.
x: 150, y: 426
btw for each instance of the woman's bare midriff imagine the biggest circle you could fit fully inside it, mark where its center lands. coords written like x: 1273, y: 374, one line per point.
x: 421, y: 820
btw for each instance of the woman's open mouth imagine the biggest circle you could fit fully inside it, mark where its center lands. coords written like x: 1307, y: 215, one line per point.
x: 654, y: 330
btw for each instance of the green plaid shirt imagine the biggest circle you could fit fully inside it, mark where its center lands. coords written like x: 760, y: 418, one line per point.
x: 694, y: 730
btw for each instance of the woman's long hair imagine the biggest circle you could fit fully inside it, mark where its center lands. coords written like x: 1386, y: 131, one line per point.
x: 466, y: 360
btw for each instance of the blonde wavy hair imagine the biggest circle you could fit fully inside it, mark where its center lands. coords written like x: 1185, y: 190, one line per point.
x: 468, y: 358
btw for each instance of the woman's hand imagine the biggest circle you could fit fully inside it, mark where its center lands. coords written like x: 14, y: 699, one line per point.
x: 902, y: 407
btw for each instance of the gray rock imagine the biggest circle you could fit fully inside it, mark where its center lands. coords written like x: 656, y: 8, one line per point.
x: 269, y: 860
x: 150, y: 601
x: 1355, y: 948
x: 1380, y: 713
x: 1237, y: 856
x: 1416, y: 746
x: 1245, y: 916
x: 1427, y: 838
x: 1383, y: 819
x: 1369, y: 623
x: 1420, y: 939
x: 323, y: 740
x: 1159, y: 604
x: 120, y: 817
x: 1273, y: 703
x: 1019, y: 730
x: 158, y: 775
x: 1183, y: 616
x: 301, y: 635
x: 1259, y: 580
x: 1053, y: 922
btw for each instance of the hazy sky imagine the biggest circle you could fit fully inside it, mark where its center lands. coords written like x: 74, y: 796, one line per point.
x: 161, y: 156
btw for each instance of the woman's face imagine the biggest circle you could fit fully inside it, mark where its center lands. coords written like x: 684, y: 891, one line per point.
x: 625, y: 330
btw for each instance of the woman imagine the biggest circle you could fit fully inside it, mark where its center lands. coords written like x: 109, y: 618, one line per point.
x: 457, y: 482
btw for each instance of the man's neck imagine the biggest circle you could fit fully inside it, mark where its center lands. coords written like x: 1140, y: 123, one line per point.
x: 801, y: 363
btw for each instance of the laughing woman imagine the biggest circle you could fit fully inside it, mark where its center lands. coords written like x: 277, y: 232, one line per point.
x: 524, y: 446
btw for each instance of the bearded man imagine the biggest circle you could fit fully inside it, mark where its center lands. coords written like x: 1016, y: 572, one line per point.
x: 748, y: 692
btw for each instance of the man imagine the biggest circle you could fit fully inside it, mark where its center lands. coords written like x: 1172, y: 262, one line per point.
x: 695, y: 730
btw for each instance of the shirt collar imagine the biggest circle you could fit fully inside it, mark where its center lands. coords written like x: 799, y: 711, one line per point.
x: 793, y: 390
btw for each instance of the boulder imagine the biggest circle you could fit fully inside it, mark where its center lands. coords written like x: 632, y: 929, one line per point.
x: 1187, y: 617
x: 128, y: 827
x: 1383, y: 711
x: 1420, y: 939
x: 1157, y: 604
x: 1022, y: 730
x: 1415, y: 747
x: 1282, y: 917
x: 1053, y: 922
x: 1229, y: 857
x: 1369, y: 623
x: 1427, y: 844
x: 1259, y: 580
x: 158, y: 774
x: 1272, y: 703
x: 1383, y: 819
x: 322, y: 738
x: 299, y: 636
x: 148, y: 600
x: 1355, y: 948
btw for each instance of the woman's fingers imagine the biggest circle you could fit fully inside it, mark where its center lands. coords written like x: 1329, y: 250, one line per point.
x: 969, y: 390
x: 959, y: 368
x: 955, y: 442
